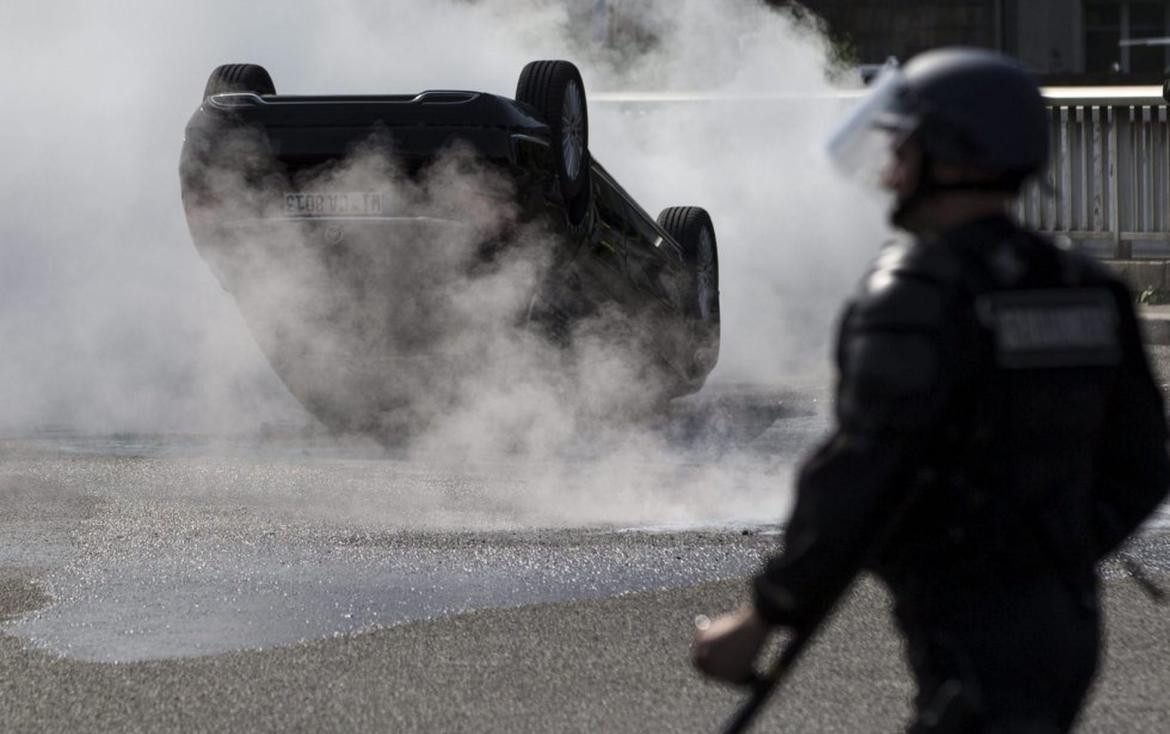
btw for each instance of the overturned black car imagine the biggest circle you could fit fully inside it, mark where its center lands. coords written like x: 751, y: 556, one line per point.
x: 349, y: 228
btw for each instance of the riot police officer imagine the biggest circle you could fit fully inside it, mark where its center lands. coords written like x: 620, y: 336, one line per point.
x: 997, y: 430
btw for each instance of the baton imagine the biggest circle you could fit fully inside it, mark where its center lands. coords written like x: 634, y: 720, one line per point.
x: 763, y: 686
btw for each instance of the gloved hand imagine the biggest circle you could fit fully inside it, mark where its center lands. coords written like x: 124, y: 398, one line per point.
x: 726, y: 648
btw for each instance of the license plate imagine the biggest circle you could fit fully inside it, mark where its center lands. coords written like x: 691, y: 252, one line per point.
x: 336, y: 204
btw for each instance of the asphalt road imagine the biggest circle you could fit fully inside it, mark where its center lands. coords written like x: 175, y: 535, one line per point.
x: 285, y: 583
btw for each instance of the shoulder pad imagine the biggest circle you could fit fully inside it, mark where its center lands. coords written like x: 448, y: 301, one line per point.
x: 889, y: 381
x: 920, y: 259
x: 898, y: 294
x: 890, y: 351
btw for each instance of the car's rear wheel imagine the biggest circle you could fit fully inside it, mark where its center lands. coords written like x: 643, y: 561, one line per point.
x: 555, y: 90
x: 239, y: 78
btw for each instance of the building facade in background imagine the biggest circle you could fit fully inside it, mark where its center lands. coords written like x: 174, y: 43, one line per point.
x: 1074, y: 41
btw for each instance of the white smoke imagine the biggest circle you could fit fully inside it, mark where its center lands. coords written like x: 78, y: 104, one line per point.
x: 110, y: 321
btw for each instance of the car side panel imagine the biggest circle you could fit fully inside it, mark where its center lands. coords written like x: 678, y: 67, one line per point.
x: 629, y: 263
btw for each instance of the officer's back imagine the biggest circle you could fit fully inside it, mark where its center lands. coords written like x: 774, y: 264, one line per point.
x: 997, y: 427
x: 1040, y: 354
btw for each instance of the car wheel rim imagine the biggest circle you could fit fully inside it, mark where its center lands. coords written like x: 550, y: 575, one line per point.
x: 705, y: 274
x: 573, y: 129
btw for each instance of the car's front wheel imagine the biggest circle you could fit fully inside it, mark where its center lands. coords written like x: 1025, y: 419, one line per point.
x: 692, y: 229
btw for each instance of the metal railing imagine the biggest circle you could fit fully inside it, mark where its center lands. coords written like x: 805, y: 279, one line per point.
x: 1107, y: 188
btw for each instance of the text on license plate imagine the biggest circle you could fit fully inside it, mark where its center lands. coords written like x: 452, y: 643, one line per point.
x: 343, y: 203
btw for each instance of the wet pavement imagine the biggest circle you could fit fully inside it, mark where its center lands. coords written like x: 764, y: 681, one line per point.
x: 363, y: 586
x: 155, y: 547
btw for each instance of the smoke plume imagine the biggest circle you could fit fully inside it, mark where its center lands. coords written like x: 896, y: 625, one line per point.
x: 110, y: 320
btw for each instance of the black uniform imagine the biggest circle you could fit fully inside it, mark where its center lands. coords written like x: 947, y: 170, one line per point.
x: 998, y: 433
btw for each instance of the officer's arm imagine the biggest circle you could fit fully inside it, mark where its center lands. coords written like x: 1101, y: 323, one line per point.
x: 893, y: 357
x: 1133, y: 474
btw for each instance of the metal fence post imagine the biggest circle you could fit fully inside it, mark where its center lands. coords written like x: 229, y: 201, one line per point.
x: 1121, y: 248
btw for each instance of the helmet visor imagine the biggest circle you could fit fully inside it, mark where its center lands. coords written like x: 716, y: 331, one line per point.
x: 862, y: 144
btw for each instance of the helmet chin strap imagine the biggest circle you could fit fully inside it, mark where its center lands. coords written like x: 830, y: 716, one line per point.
x: 924, y: 188
x: 927, y: 187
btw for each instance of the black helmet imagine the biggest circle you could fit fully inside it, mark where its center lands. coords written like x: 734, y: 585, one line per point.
x: 972, y: 107
x: 966, y: 107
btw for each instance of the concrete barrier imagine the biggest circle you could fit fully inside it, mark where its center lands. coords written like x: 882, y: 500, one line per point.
x: 1142, y: 275
x: 1155, y: 321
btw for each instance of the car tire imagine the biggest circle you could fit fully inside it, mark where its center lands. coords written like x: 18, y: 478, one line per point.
x: 691, y: 228
x: 555, y: 91
x: 239, y: 78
